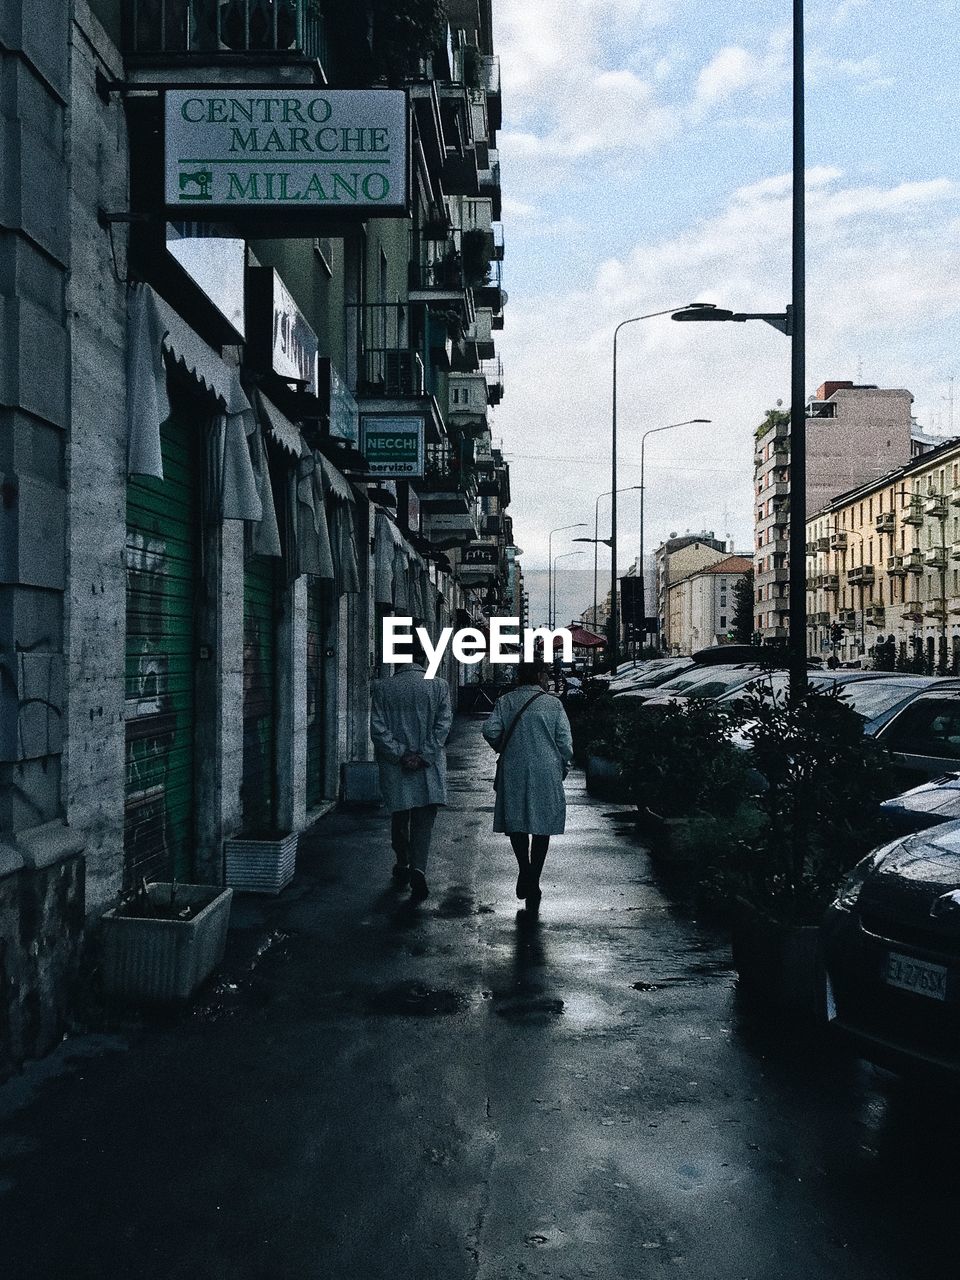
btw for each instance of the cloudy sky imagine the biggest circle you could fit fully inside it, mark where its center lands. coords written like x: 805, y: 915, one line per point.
x: 646, y: 158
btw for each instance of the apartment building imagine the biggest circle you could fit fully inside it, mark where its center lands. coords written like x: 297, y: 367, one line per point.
x: 677, y: 558
x: 246, y: 412
x: 883, y: 562
x: 854, y: 433
x: 701, y: 604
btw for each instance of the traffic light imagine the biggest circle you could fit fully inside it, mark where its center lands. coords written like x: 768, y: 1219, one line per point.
x: 836, y: 633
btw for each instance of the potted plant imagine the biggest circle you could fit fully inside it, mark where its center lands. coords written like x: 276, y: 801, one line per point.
x: 260, y: 863
x: 820, y: 815
x: 163, y: 941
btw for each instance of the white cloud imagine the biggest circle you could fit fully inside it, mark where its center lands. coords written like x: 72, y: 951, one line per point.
x: 883, y: 285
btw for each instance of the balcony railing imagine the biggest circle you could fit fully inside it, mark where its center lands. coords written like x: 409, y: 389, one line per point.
x: 393, y: 373
x: 886, y: 522
x: 220, y: 28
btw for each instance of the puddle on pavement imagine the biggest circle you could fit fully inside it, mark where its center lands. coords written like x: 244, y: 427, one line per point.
x: 413, y: 999
x: 531, y: 1008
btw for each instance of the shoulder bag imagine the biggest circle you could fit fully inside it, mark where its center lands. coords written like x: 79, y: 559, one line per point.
x: 509, y: 734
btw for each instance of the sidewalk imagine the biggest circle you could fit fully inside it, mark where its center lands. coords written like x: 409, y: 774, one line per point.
x: 372, y: 1092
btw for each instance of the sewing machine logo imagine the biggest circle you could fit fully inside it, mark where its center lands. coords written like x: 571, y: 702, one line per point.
x: 202, y: 180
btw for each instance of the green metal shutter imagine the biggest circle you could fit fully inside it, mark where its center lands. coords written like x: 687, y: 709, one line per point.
x: 258, y: 786
x: 162, y: 557
x: 318, y: 592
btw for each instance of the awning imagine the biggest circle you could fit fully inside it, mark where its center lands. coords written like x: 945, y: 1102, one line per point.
x: 280, y: 427
x: 334, y: 481
x: 190, y: 351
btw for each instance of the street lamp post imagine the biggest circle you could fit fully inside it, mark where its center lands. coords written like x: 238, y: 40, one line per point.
x: 564, y: 556
x: 792, y: 322
x: 614, y: 623
x: 597, y: 540
x: 643, y: 445
x: 580, y: 524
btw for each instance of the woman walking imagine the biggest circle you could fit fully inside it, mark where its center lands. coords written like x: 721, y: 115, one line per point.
x: 530, y: 730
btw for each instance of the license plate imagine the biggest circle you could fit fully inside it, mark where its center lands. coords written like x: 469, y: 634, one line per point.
x: 917, y: 976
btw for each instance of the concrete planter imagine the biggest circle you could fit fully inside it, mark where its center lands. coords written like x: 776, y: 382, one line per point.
x: 669, y: 838
x: 778, y: 963
x: 164, y: 960
x: 260, y: 866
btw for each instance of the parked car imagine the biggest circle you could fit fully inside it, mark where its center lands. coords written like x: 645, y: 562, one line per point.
x: 923, y: 737
x: 697, y: 682
x: 653, y: 678
x: 891, y: 943
x: 925, y: 806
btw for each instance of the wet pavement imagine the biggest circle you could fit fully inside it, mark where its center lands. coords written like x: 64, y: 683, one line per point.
x: 370, y: 1091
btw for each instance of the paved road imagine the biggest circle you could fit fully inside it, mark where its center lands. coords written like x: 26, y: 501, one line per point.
x: 375, y: 1093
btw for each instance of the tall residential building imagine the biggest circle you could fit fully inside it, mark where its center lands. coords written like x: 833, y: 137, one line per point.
x: 245, y: 414
x: 854, y: 434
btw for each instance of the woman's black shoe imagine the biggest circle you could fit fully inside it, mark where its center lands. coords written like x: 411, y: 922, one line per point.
x: 522, y: 879
x: 533, y: 901
x: 401, y: 874
x: 418, y: 886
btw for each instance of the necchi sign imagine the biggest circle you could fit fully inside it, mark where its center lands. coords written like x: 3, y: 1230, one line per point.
x: 393, y: 447
x: 299, y: 149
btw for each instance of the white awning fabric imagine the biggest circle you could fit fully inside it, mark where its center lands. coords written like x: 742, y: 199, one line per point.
x: 335, y: 483
x: 280, y: 427
x: 189, y: 350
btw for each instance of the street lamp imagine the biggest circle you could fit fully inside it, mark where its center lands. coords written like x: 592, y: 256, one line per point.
x: 596, y: 539
x: 614, y: 624
x: 565, y: 556
x: 643, y: 444
x: 791, y: 322
x: 580, y: 524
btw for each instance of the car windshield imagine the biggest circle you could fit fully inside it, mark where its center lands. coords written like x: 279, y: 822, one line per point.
x: 653, y: 679
x: 709, y: 683
x: 871, y: 698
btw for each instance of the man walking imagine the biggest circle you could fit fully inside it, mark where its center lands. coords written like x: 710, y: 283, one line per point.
x: 410, y: 719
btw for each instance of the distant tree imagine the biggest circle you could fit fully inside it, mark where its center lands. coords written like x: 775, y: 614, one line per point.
x: 772, y: 418
x: 743, y: 609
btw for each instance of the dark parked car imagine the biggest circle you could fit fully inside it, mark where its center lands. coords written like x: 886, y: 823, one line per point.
x: 924, y: 738
x: 892, y: 953
x: 695, y: 682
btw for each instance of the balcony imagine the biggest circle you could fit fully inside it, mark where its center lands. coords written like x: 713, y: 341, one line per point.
x: 913, y: 562
x: 885, y: 522
x: 936, y: 506
x: 821, y: 619
x: 848, y: 617
x: 936, y: 610
x: 913, y: 513
x: 823, y: 544
x: 955, y: 551
x: 490, y: 66
x: 778, y: 489
x: 438, y: 280
x: 830, y: 581
x: 488, y: 181
x: 392, y: 373
x: 467, y: 400
x: 936, y: 558
x: 838, y: 541
x: 896, y: 567
x: 812, y: 582
x: 224, y: 32
x: 876, y: 615
x: 913, y: 609
x: 861, y: 575
x: 493, y: 371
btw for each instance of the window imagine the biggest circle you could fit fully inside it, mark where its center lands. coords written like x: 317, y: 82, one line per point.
x: 723, y: 621
x: 930, y: 728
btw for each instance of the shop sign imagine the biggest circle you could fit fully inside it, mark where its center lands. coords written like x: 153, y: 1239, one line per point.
x: 299, y: 149
x: 279, y: 337
x: 480, y: 555
x: 393, y: 447
x: 447, y: 522
x: 343, y: 410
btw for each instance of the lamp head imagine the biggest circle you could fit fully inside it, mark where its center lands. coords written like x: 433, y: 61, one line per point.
x: 702, y: 311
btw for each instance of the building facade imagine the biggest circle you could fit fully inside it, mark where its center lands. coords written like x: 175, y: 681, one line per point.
x: 700, y: 606
x: 233, y: 438
x: 854, y: 434
x: 677, y: 558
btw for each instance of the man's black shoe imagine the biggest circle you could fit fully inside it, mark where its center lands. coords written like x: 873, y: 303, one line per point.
x: 401, y: 874
x: 418, y: 886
